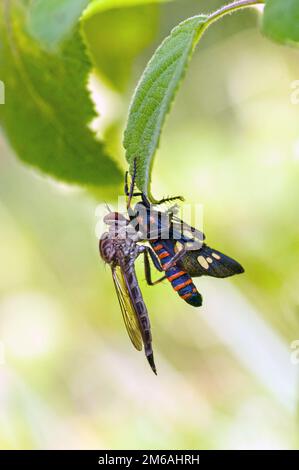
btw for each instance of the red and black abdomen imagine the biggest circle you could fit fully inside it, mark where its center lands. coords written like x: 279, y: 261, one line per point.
x: 179, y: 279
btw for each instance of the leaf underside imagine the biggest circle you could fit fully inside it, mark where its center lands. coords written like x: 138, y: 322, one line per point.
x: 155, y: 94
x: 50, y: 21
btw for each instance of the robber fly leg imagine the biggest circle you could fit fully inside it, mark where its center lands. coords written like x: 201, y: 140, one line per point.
x: 169, y: 199
x: 149, y: 253
x: 130, y: 192
x: 147, y: 203
x: 155, y: 260
x: 126, y: 184
x: 147, y: 270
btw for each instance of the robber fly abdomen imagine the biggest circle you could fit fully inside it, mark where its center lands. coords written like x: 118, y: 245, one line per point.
x: 120, y: 253
x: 141, y: 312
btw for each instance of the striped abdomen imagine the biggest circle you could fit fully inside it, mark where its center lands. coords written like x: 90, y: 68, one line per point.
x: 141, y: 312
x: 180, y: 279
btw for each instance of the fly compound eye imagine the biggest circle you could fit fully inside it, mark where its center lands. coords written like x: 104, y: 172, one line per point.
x: 107, y: 249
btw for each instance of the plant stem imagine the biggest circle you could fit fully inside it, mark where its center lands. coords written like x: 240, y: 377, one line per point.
x: 230, y: 8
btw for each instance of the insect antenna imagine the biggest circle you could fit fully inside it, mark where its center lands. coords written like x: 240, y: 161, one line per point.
x: 107, y: 207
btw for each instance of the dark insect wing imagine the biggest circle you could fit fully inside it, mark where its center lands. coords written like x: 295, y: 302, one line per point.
x: 210, y: 262
x: 221, y: 265
x: 127, y: 308
x: 158, y: 225
x: 200, y: 259
x: 186, y: 233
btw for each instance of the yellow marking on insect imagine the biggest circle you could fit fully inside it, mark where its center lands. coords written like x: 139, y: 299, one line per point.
x: 203, y: 262
x: 216, y: 256
x: 209, y: 260
x: 178, y: 247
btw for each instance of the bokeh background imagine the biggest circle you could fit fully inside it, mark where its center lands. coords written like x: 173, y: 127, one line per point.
x: 69, y: 377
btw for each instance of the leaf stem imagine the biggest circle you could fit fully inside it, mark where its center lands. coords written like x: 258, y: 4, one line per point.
x: 230, y: 8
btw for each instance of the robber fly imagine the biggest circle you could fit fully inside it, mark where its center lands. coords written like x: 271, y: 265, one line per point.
x: 180, y: 248
x: 118, y: 247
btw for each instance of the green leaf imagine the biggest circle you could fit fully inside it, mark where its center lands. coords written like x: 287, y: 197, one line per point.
x: 281, y: 21
x: 116, y: 32
x: 97, y: 6
x: 48, y: 108
x: 155, y: 94
x: 49, y: 22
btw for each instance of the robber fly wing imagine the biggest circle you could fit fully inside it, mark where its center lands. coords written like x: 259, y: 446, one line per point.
x: 127, y: 308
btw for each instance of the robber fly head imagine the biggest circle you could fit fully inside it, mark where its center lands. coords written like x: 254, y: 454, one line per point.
x: 117, y: 224
x: 115, y: 219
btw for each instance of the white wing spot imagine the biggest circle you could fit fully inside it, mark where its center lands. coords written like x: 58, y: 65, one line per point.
x: 209, y: 260
x: 203, y: 262
x: 216, y: 256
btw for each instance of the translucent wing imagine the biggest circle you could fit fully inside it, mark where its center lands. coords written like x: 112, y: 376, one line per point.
x: 127, y: 308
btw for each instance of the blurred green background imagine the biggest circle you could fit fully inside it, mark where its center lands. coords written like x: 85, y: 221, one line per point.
x: 69, y: 377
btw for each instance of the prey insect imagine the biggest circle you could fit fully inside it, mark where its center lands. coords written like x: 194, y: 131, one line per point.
x: 181, y: 249
x: 118, y: 247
